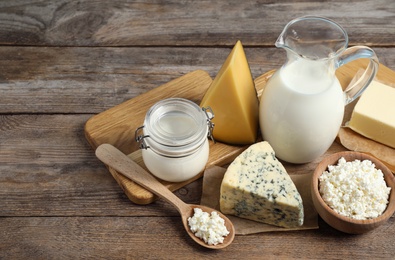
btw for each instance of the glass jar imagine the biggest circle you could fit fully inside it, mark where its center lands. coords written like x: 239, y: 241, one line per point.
x: 174, y: 142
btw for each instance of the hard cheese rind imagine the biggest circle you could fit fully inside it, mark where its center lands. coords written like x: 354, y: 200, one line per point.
x: 233, y: 99
x: 374, y: 114
x: 256, y: 186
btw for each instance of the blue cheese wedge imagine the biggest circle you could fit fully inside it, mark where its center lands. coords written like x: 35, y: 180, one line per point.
x: 256, y: 186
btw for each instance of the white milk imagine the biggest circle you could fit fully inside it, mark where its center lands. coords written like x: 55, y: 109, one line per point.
x: 175, y: 144
x: 301, y: 110
x: 176, y: 169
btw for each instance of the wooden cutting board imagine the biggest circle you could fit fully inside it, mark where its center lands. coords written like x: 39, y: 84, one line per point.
x: 117, y: 125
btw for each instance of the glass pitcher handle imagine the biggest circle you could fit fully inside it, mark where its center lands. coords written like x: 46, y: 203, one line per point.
x: 353, y: 53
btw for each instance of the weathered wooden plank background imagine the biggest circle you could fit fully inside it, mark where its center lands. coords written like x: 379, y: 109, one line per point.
x: 63, y: 61
x: 182, y: 23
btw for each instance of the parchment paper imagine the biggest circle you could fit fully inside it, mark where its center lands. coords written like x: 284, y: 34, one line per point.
x: 356, y: 142
x: 212, y: 179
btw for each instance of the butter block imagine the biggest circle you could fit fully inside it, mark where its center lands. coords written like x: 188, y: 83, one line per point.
x: 233, y: 99
x: 374, y: 114
x: 256, y: 186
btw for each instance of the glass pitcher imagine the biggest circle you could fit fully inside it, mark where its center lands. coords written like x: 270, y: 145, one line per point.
x: 302, y: 105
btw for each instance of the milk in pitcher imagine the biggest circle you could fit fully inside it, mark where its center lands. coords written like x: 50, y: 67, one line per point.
x: 306, y: 106
x: 302, y: 105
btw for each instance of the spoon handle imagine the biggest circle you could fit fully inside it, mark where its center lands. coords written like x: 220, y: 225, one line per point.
x: 113, y: 157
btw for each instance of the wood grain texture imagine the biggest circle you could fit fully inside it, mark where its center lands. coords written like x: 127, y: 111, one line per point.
x: 176, y: 23
x: 77, y: 80
x: 117, y: 126
x: 74, y: 80
x: 164, y: 238
x: 64, y: 61
x: 47, y: 168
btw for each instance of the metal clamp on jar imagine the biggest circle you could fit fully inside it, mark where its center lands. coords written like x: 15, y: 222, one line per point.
x: 174, y: 140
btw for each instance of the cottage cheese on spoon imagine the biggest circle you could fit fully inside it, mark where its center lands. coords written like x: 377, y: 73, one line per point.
x: 209, y: 227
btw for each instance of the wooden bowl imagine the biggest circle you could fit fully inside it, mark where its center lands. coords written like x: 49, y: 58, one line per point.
x: 343, y: 223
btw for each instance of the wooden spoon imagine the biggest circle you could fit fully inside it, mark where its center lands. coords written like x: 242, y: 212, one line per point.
x: 111, y: 156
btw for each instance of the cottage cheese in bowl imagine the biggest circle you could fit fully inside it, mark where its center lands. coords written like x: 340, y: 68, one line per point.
x: 355, y: 189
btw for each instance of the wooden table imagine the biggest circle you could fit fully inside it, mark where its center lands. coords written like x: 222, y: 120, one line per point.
x: 63, y: 61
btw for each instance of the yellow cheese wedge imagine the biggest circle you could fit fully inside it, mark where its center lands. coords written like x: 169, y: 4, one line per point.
x: 233, y: 99
x: 374, y: 114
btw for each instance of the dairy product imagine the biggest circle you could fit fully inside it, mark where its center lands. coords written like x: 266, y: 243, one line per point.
x: 354, y: 189
x: 301, y: 110
x: 374, y: 114
x: 176, y: 169
x: 209, y: 227
x: 233, y: 98
x: 174, y: 141
x: 256, y: 186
